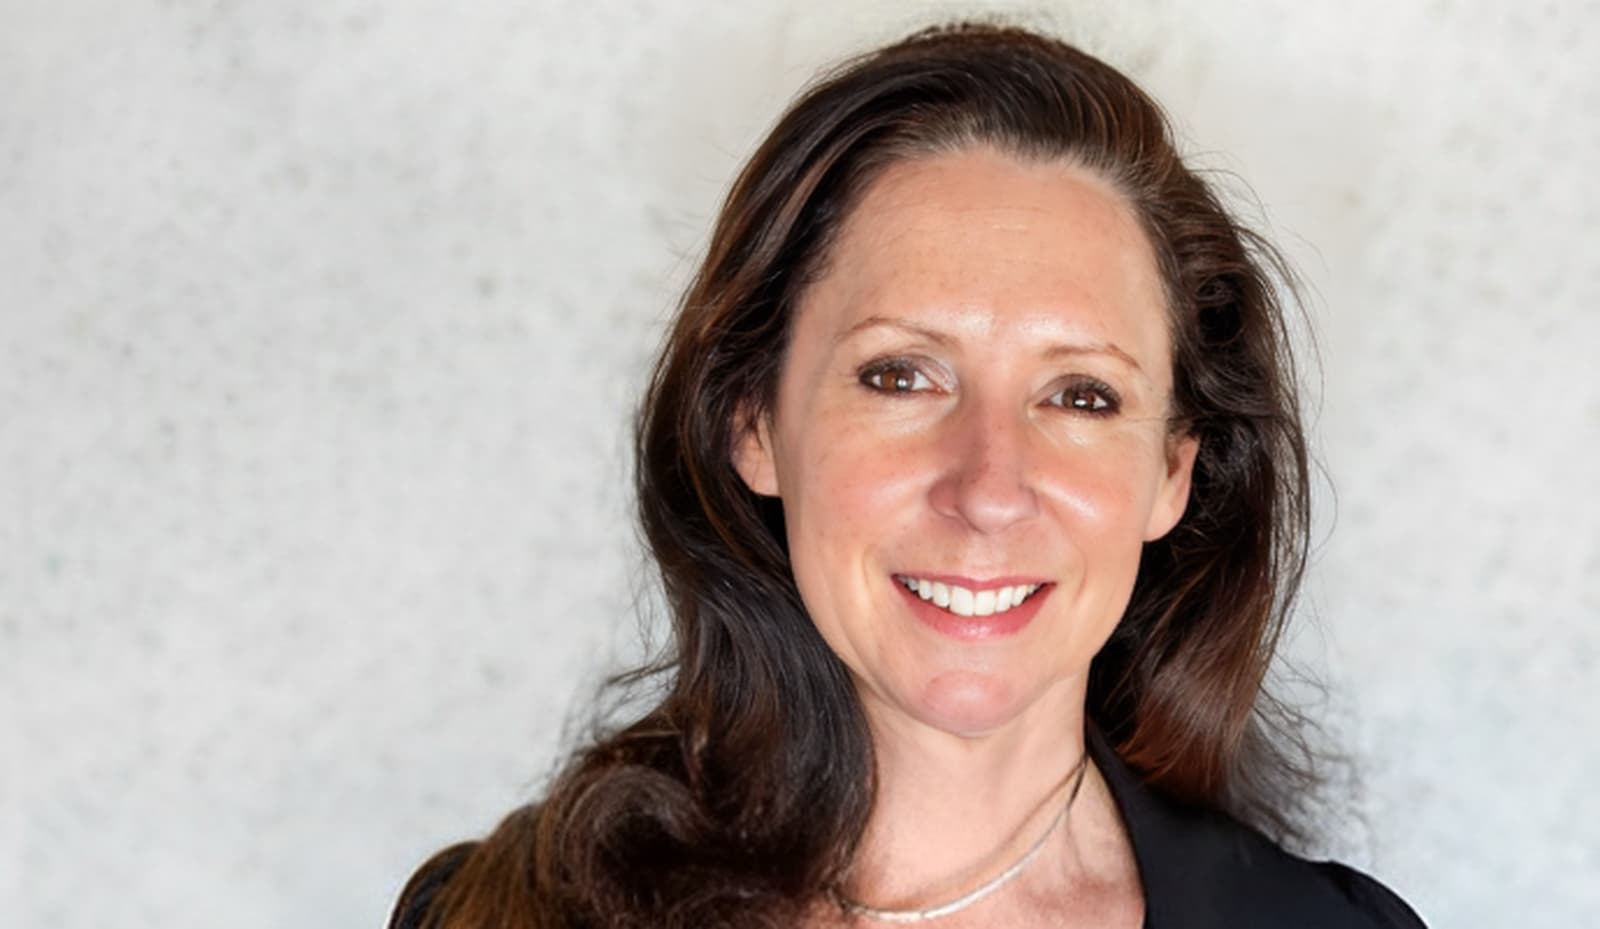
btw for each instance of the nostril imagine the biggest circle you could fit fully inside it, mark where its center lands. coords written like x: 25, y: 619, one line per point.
x: 984, y: 481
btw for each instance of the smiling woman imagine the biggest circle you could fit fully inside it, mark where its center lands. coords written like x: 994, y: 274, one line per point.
x: 973, y: 472
x: 965, y: 407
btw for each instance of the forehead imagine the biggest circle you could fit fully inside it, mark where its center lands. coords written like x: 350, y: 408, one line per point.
x: 983, y: 243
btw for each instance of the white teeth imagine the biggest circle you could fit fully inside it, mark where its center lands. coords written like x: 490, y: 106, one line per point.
x: 964, y: 602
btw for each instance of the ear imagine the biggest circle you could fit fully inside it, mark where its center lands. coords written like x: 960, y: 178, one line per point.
x: 1172, y: 497
x: 753, y: 457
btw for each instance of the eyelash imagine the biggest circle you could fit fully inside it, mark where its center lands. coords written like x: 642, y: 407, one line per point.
x: 875, y: 376
x: 1087, y: 395
x: 1090, y: 396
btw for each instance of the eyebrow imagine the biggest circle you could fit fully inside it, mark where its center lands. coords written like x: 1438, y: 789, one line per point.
x: 1095, y: 348
x: 889, y: 322
x: 933, y: 335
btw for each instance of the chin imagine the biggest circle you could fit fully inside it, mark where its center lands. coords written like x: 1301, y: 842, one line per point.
x: 968, y: 703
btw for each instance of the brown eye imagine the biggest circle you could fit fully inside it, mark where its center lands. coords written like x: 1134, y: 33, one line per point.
x: 895, y: 377
x: 1088, y: 396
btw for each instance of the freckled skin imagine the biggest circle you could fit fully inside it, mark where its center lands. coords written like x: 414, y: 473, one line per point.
x: 999, y: 288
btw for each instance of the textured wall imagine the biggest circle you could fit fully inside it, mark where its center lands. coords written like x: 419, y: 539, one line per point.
x: 320, y: 324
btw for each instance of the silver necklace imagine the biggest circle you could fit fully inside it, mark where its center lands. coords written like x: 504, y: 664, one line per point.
x: 982, y: 890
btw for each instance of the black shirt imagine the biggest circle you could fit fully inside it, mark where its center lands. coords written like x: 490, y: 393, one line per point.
x: 1203, y: 870
x: 1200, y: 870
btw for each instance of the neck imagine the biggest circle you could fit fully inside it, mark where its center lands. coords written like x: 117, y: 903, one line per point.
x: 953, y: 810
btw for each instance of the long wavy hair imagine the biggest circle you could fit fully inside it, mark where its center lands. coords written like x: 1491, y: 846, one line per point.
x: 740, y: 798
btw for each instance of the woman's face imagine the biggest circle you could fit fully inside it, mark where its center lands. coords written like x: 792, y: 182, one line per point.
x: 970, y: 436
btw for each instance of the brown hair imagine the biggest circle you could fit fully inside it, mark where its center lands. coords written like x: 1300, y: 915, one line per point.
x: 741, y: 797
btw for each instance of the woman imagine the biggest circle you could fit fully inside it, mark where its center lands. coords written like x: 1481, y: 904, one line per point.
x: 973, y: 472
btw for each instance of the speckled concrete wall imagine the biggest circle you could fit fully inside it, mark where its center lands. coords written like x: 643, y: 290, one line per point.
x: 320, y: 324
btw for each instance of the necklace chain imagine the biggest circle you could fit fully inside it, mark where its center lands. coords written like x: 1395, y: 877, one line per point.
x: 987, y: 887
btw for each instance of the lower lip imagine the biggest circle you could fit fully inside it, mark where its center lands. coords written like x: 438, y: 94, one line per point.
x: 974, y: 628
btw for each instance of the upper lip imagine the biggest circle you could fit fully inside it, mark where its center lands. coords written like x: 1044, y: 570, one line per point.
x: 975, y: 584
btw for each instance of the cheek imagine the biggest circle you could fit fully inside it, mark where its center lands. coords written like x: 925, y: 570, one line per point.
x: 848, y: 484
x: 1106, y: 492
x: 841, y: 505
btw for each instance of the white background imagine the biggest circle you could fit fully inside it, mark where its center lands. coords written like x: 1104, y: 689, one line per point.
x: 321, y: 323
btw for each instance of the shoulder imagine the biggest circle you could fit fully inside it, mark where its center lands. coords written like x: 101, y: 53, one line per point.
x: 1370, y: 897
x: 1204, y: 870
x: 415, y: 907
x: 1254, y: 882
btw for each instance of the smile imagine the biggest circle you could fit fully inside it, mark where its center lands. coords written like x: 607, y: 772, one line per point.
x: 963, y: 601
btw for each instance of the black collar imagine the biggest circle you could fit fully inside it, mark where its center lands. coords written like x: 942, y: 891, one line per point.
x: 1173, y: 862
x: 1201, y: 869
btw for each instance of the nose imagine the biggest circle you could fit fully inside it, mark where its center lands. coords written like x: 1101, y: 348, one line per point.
x: 986, y: 483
